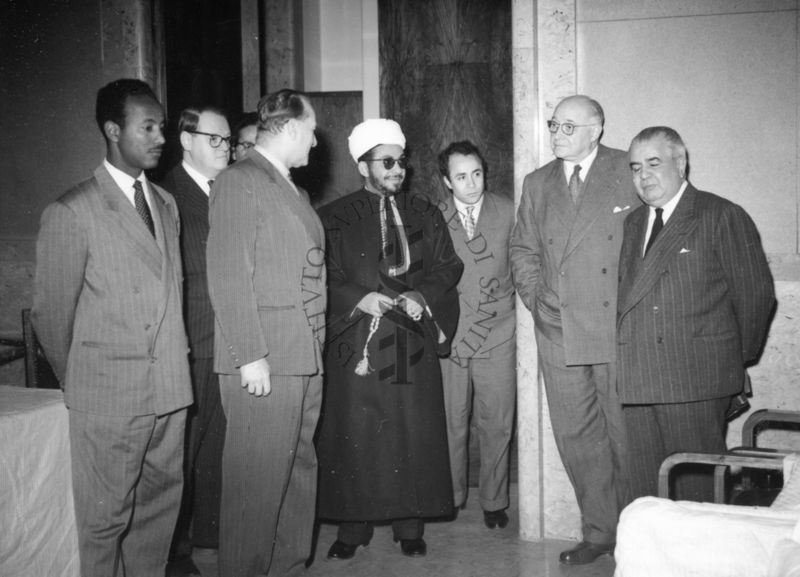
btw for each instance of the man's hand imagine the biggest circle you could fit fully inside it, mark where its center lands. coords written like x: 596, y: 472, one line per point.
x: 375, y: 304
x: 412, y: 303
x: 255, y: 378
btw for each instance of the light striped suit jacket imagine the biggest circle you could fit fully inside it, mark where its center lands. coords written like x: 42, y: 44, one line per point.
x: 266, y: 271
x: 696, y: 308
x: 107, y: 302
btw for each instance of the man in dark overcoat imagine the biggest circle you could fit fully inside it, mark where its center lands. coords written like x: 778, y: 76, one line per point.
x: 392, y: 276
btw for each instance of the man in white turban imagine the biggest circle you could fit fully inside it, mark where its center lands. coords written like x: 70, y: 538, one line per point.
x: 393, y: 306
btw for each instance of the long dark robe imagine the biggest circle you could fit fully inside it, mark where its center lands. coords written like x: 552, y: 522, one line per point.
x: 382, y: 444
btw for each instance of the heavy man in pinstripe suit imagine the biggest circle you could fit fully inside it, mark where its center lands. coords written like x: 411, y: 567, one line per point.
x: 266, y: 279
x: 205, y: 139
x: 107, y: 309
x: 695, y: 299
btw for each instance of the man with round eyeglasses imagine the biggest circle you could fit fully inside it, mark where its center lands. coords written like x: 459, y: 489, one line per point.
x: 205, y: 139
x: 244, y: 135
x: 392, y: 276
x: 564, y: 255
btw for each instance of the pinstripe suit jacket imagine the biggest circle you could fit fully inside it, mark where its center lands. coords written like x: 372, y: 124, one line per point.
x: 266, y: 271
x: 198, y: 314
x: 564, y: 258
x: 485, y: 291
x: 696, y: 308
x: 107, y: 302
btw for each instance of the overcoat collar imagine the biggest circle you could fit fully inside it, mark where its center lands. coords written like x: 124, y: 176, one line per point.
x: 597, y: 197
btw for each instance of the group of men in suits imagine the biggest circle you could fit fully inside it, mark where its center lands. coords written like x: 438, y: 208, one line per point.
x: 648, y: 298
x: 643, y: 324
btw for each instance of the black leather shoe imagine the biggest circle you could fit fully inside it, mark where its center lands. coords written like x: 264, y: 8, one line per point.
x: 495, y: 519
x: 341, y: 550
x: 413, y: 547
x: 585, y: 553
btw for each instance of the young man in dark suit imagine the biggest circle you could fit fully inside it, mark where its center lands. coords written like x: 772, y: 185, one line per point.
x: 479, y: 376
x: 107, y: 310
x: 266, y: 279
x: 205, y: 138
x: 564, y: 258
x: 695, y: 299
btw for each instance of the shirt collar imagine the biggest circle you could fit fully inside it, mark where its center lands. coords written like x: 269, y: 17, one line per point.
x: 669, y: 207
x: 462, y: 207
x: 200, y: 179
x: 125, y: 181
x: 586, y: 164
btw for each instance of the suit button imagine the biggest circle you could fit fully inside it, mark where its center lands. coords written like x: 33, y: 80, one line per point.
x: 655, y: 309
x: 550, y: 241
x: 604, y: 271
x: 136, y: 290
x: 153, y: 360
x: 659, y: 340
x: 605, y: 304
x: 562, y: 273
x: 610, y: 237
x: 147, y: 327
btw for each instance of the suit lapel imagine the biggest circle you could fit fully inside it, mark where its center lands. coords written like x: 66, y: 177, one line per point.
x: 297, y: 202
x: 596, y: 199
x: 561, y: 202
x: 195, y: 199
x: 665, y: 248
x: 124, y: 217
x: 168, y: 245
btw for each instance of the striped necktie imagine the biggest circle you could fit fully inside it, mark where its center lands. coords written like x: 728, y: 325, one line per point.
x: 141, y: 206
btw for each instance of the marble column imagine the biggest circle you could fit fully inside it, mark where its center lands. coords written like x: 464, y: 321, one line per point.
x: 544, y: 72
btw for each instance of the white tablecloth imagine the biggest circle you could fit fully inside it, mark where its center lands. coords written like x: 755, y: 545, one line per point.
x: 37, y: 518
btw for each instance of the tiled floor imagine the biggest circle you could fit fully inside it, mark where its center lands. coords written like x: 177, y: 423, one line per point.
x: 460, y: 548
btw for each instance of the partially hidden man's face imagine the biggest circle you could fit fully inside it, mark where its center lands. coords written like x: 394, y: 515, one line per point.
x: 382, y: 180
x: 657, y: 173
x: 466, y: 178
x: 141, y: 140
x: 245, y: 140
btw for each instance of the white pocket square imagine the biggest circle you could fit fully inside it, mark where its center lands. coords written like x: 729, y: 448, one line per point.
x: 684, y: 251
x: 621, y: 208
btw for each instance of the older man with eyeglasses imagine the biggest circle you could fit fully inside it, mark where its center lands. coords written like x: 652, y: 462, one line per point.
x: 564, y: 257
x: 205, y: 139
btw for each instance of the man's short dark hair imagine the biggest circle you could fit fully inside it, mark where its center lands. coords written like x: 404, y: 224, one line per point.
x: 112, y: 97
x: 278, y: 108
x: 674, y: 140
x: 463, y: 147
x: 190, y: 117
x: 245, y: 120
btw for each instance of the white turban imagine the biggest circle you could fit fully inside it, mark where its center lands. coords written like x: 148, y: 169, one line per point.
x: 373, y: 132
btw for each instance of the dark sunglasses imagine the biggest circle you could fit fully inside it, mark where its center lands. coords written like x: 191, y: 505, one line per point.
x: 389, y: 162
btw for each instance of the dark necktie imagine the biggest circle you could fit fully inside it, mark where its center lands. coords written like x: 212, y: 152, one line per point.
x: 210, y: 183
x: 575, y: 183
x: 141, y: 206
x: 658, y: 224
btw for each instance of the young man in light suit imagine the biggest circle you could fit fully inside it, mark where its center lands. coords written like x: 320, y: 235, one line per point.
x: 479, y: 376
x: 266, y: 279
x: 564, y: 258
x: 107, y: 310
x: 695, y: 299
